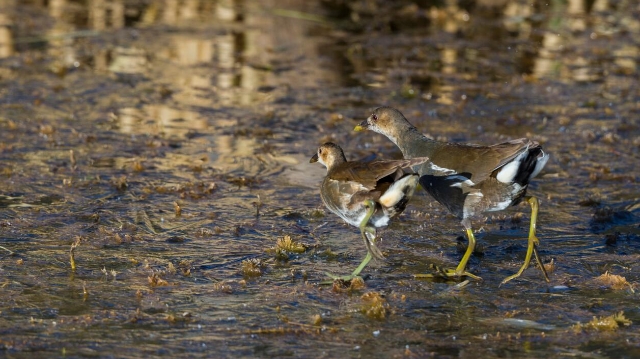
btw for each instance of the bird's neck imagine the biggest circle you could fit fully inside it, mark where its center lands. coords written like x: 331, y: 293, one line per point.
x: 335, y: 162
x: 412, y: 142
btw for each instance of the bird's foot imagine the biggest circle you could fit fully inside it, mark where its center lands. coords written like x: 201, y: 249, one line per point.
x: 341, y: 277
x: 509, y: 278
x: 447, y: 273
x: 346, y: 279
x: 531, y: 250
x: 535, y: 240
x: 342, y: 280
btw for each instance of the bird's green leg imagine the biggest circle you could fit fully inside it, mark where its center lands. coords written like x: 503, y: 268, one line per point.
x: 363, y: 264
x: 533, y: 242
x: 459, y: 271
x: 355, y: 273
x: 372, y: 250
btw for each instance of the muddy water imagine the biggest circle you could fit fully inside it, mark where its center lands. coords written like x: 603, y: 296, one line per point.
x: 168, y: 144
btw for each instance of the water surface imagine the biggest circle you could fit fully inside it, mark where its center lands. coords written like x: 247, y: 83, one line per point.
x: 113, y: 114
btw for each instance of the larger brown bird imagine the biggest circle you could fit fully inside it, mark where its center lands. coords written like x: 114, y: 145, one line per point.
x: 365, y: 194
x: 468, y: 179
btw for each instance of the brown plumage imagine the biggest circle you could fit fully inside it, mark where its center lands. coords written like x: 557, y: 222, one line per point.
x: 365, y: 194
x: 468, y: 179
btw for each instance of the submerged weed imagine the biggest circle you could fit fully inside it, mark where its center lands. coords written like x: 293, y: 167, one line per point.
x: 120, y: 183
x: 223, y: 287
x: 316, y: 319
x: 285, y: 246
x: 72, y: 252
x: 252, y: 267
x: 374, y: 305
x: 602, y: 324
x: 289, y: 245
x: 613, y: 281
x: 340, y: 285
x: 317, y: 213
x: 156, y: 281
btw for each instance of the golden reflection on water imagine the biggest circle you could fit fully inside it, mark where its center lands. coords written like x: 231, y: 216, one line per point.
x: 6, y: 36
x: 106, y: 14
x: 229, y: 50
x: 552, y: 28
x: 128, y: 60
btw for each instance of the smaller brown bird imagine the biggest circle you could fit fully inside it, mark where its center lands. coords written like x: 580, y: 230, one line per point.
x: 365, y: 194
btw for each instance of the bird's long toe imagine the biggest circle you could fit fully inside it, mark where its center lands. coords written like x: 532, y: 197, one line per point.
x: 447, y: 273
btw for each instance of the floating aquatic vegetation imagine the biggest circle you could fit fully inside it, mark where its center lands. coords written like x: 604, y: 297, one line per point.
x: 156, y: 281
x: 137, y: 166
x: 72, y: 252
x: 341, y: 285
x: 171, y: 268
x: 224, y: 287
x: 317, y: 213
x: 613, y: 281
x: 252, y: 267
x: 120, y: 183
x: 177, y: 209
x: 244, y: 181
x: 550, y: 267
x: 316, y: 319
x: 285, y: 246
x: 602, y: 324
x: 374, y: 305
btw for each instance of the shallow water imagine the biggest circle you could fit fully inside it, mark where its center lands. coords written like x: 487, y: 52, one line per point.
x: 114, y: 113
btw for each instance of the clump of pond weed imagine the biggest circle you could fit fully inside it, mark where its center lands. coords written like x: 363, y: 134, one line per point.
x: 374, y: 305
x: 156, y: 281
x: 252, y: 267
x: 285, y: 246
x: 602, y: 324
x: 354, y: 284
x: 613, y: 281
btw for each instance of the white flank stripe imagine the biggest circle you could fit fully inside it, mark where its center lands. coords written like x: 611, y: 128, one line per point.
x: 395, y: 193
x: 466, y: 181
x: 442, y: 170
x: 357, y: 221
x: 500, y: 206
x: 510, y: 170
x: 382, y: 221
x: 539, y: 165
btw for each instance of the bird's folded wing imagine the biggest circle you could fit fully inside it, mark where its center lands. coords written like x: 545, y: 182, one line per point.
x: 479, y: 161
x: 368, y: 173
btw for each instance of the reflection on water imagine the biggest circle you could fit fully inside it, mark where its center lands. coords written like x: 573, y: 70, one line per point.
x: 127, y: 60
x: 6, y: 38
x: 242, y: 53
x: 238, y: 49
x: 105, y: 14
x: 534, y: 37
x: 170, y: 139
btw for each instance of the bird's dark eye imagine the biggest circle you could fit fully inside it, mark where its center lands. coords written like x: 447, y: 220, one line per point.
x: 374, y: 117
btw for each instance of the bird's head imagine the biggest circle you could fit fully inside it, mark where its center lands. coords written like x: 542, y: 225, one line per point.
x: 386, y: 121
x: 329, y: 154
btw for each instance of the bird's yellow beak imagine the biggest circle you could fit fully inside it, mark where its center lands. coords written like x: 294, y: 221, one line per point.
x: 362, y: 126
